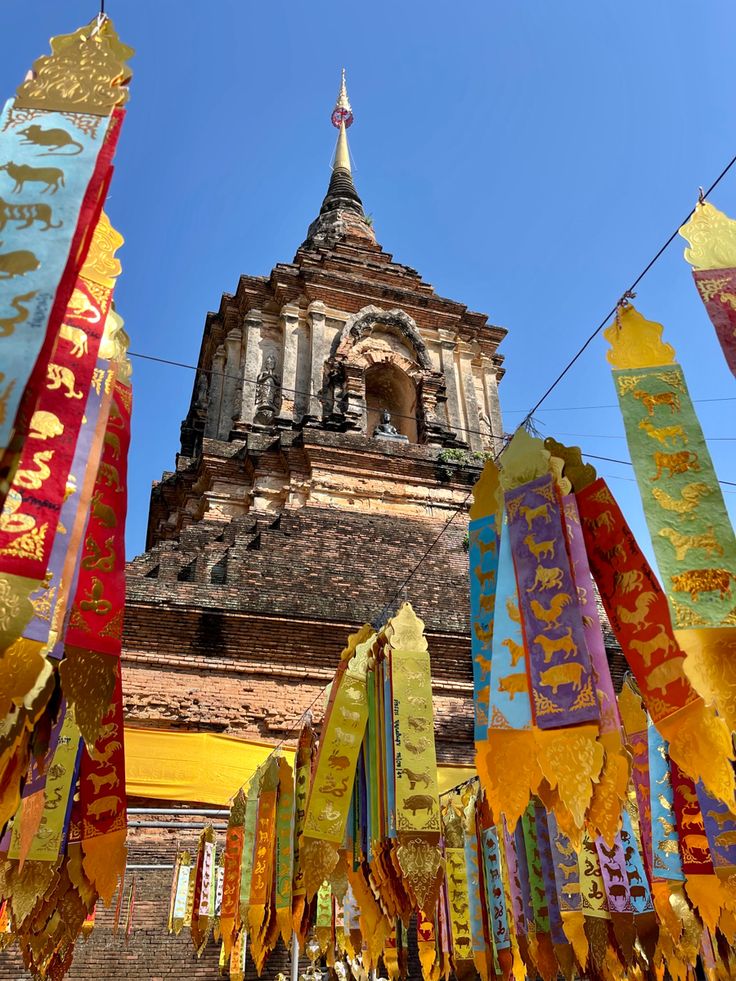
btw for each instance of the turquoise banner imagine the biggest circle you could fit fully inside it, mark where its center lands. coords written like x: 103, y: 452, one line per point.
x: 509, y: 704
x: 41, y: 195
x: 483, y: 561
x: 666, y: 862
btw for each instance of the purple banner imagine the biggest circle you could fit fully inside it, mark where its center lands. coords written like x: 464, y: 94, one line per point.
x: 566, y: 868
x: 548, y: 875
x: 615, y: 880
x: 609, y: 718
x: 720, y: 829
x: 563, y: 690
x: 639, y: 891
x: 512, y: 864
x: 716, y: 288
x: 526, y: 892
x: 639, y: 746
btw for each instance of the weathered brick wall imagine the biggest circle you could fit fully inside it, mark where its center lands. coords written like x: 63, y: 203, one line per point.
x: 248, y: 656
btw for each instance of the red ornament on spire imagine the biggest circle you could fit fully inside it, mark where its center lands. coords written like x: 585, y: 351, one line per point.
x: 343, y: 112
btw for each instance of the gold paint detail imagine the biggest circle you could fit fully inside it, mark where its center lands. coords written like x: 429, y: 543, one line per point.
x: 700, y: 744
x: 578, y: 473
x: 422, y: 866
x: 318, y: 859
x: 405, y: 631
x: 712, y: 238
x: 101, y: 266
x: 571, y: 761
x: 631, y: 708
x: 86, y: 72
x: 636, y: 342
x: 22, y: 665
x: 487, y: 494
x: 710, y: 664
x: 524, y: 459
x: 88, y: 681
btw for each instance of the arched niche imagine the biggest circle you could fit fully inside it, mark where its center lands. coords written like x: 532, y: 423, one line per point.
x: 363, y: 323
x: 388, y: 387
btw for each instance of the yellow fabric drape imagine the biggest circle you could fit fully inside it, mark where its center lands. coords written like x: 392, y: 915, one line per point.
x: 208, y: 768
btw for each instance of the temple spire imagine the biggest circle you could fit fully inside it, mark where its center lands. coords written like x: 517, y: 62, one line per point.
x: 341, y: 193
x: 342, y: 117
x: 342, y: 212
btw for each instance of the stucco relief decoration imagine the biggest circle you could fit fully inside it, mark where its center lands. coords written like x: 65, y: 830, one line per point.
x: 362, y: 324
x: 267, y: 390
x: 365, y: 341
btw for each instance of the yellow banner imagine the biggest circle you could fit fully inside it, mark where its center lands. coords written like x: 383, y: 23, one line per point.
x: 47, y: 840
x: 329, y: 802
x: 417, y: 804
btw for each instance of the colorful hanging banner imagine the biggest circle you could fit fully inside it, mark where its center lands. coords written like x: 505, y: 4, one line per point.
x: 510, y: 702
x: 284, y: 849
x: 566, y: 870
x: 97, y: 614
x: 592, y: 887
x: 666, y: 862
x: 103, y: 800
x: 181, y: 893
x: 639, y: 891
x: 563, y: 691
x: 47, y: 842
x: 415, y: 759
x: 71, y: 96
x: 51, y: 601
x: 459, y: 903
x: 691, y: 532
x: 344, y: 725
x: 712, y: 254
x: 475, y: 907
x: 495, y: 895
x: 231, y: 877
x: 483, y: 560
x: 40, y: 483
x: 693, y: 841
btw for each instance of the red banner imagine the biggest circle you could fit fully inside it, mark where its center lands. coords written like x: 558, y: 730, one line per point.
x: 96, y: 621
x: 103, y: 800
x: 31, y: 518
x: 635, y: 604
x: 717, y: 288
x: 694, y: 847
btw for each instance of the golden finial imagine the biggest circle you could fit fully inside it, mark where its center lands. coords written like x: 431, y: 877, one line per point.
x: 342, y: 117
x: 342, y: 154
x: 343, y: 111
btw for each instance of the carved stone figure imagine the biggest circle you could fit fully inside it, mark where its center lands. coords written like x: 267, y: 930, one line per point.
x: 267, y: 390
x: 386, y: 429
x: 200, y: 400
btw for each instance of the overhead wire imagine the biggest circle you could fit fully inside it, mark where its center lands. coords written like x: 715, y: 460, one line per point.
x: 703, y: 195
x: 525, y: 421
x: 308, y: 394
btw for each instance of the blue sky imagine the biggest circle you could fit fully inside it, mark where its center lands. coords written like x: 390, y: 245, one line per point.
x: 527, y: 158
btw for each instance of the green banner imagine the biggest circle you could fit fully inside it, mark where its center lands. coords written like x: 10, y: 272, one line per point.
x: 691, y: 532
